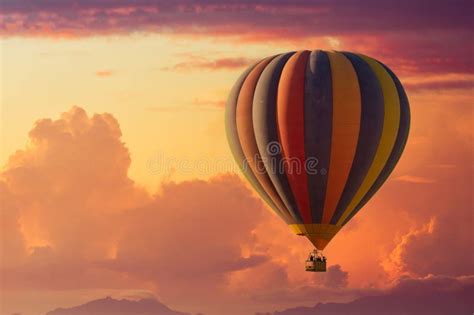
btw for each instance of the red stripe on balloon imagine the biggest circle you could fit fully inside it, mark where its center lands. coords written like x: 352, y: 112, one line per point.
x: 290, y: 120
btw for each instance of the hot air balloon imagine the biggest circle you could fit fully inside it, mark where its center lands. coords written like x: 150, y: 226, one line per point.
x: 316, y: 133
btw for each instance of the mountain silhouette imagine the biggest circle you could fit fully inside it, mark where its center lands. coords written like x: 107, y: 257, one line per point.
x: 110, y: 306
x: 437, y: 297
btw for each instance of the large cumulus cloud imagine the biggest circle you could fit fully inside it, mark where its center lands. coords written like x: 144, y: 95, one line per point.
x: 71, y: 218
x: 440, y: 153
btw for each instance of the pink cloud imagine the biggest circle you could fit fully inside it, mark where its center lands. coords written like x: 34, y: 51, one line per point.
x: 432, y: 37
x: 199, y: 63
x: 414, y: 179
x: 209, y: 102
x: 232, y: 17
x: 335, y: 277
x: 104, y: 73
x: 441, y: 85
x: 73, y: 219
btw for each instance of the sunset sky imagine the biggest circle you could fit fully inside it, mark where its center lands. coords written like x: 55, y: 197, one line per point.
x: 116, y: 169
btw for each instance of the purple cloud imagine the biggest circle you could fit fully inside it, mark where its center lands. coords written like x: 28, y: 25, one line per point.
x: 432, y: 36
x: 320, y: 16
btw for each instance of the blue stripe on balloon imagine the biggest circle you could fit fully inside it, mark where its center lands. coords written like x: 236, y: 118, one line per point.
x: 318, y: 129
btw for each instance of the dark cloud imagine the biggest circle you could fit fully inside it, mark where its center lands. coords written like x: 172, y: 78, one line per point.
x: 233, y: 17
x: 430, y: 36
x: 433, y: 51
x: 334, y: 277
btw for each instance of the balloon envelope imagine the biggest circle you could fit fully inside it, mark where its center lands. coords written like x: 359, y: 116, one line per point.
x: 317, y: 133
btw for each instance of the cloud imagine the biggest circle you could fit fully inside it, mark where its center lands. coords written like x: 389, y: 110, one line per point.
x: 192, y: 230
x: 414, y: 179
x: 439, y: 152
x: 440, y: 85
x: 441, y: 241
x: 196, y: 105
x: 335, y: 277
x: 104, y: 73
x: 209, y: 102
x: 432, y: 37
x: 232, y: 17
x: 439, y: 82
x: 199, y: 63
x: 72, y: 166
x: 10, y: 228
x: 71, y: 219
x: 395, y: 262
x: 70, y: 179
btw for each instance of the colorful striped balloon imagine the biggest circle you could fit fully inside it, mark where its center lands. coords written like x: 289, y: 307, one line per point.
x: 316, y: 133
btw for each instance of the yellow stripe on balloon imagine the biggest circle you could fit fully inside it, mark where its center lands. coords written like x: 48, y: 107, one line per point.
x: 389, y: 133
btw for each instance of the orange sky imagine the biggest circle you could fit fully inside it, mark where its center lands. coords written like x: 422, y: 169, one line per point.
x: 116, y: 166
